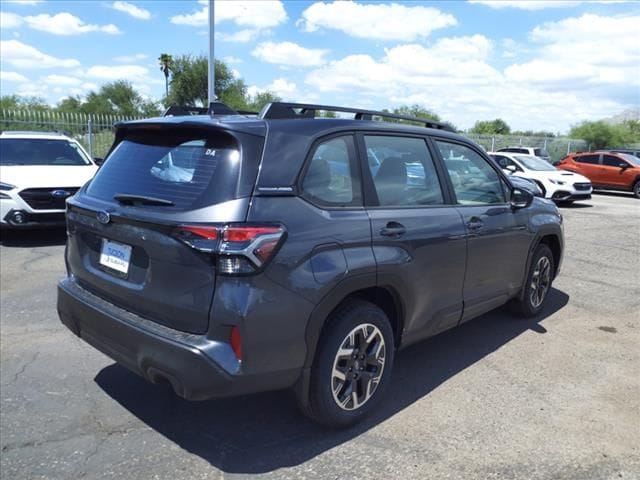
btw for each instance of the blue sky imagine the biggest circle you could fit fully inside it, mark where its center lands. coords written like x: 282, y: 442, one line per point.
x: 536, y: 64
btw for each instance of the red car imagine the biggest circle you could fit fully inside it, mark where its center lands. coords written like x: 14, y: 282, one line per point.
x: 606, y: 170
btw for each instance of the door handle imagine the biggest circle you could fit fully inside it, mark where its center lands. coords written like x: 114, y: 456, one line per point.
x: 475, y: 224
x: 393, y: 229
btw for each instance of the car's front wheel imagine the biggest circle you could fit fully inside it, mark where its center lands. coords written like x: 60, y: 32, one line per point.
x: 636, y: 189
x: 352, y: 366
x: 538, y: 284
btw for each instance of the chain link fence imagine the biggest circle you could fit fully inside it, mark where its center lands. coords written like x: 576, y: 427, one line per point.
x: 94, y: 132
x: 558, y: 147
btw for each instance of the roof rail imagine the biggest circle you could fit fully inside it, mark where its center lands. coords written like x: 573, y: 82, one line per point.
x: 37, y: 132
x: 282, y: 110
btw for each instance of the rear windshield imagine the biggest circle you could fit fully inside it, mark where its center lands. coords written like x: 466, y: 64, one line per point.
x: 189, y: 170
x: 40, y: 151
x: 540, y: 152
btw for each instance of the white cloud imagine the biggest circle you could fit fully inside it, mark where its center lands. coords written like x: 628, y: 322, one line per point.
x: 231, y: 60
x: 280, y: 86
x: 32, y: 89
x: 24, y: 2
x: 447, y: 61
x: 118, y: 72
x: 257, y: 14
x: 66, y: 24
x: 241, y: 36
x: 289, y: 54
x: 538, y: 4
x: 571, y: 54
x: 61, y: 80
x: 21, y: 55
x: 131, y: 58
x: 382, y: 21
x: 131, y: 9
x: 454, y: 78
x: 12, y: 77
x: 9, y: 20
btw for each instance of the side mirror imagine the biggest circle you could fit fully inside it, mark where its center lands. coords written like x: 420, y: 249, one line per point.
x: 98, y: 161
x: 511, y: 168
x: 623, y: 165
x: 520, y: 198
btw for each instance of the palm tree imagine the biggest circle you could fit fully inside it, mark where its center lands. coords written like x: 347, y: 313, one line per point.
x: 166, y: 61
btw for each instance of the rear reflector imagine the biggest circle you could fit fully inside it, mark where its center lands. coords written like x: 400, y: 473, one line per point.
x: 236, y: 342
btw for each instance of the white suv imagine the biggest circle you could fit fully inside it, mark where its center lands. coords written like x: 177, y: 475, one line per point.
x: 537, y: 151
x: 558, y: 185
x: 38, y: 172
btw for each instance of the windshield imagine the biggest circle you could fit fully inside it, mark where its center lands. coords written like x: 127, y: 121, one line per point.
x: 534, y: 163
x: 40, y: 151
x: 632, y: 159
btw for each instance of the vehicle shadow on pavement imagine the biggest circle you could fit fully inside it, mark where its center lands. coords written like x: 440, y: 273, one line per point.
x: 264, y: 432
x: 613, y: 193
x: 575, y: 206
x: 33, y: 238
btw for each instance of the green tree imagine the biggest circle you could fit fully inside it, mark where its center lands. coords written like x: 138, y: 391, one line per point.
x: 70, y: 104
x: 189, y: 83
x: 257, y: 102
x: 166, y: 65
x: 12, y: 102
x: 602, y: 135
x: 417, y: 111
x: 491, y: 127
x: 114, y: 98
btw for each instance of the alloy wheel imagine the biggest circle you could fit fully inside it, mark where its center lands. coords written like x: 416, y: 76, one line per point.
x: 540, y: 281
x: 358, y: 366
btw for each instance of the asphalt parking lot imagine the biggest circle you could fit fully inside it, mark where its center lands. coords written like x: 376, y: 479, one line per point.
x: 554, y: 398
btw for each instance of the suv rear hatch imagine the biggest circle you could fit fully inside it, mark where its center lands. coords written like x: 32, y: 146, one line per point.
x: 127, y: 229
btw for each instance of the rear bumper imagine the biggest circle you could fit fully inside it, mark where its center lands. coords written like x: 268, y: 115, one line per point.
x: 197, y: 367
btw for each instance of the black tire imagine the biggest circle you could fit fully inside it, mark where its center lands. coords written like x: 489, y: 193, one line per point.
x: 538, y: 284
x: 326, y: 390
x: 636, y: 189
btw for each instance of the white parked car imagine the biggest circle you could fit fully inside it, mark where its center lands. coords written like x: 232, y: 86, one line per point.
x: 558, y: 185
x: 38, y: 172
x: 537, y: 151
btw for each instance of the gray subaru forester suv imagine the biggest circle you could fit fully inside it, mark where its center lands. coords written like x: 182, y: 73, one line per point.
x: 226, y: 254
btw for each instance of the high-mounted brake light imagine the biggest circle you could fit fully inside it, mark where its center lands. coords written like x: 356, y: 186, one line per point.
x: 240, y: 249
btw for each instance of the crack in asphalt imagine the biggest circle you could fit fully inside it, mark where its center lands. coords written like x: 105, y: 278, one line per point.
x: 22, y: 370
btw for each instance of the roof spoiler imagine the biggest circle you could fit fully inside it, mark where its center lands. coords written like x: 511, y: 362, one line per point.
x: 215, y: 108
x: 284, y: 110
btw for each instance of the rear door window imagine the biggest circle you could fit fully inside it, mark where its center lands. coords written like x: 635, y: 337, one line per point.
x: 405, y: 174
x: 189, y: 170
x: 331, y: 178
x: 590, y: 159
x: 540, y: 152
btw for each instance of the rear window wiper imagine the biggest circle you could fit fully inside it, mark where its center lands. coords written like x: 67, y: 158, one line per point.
x: 130, y: 199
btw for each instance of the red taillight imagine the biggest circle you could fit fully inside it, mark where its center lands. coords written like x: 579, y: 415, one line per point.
x: 246, y: 234
x: 240, y: 249
x: 236, y: 342
x: 208, y: 233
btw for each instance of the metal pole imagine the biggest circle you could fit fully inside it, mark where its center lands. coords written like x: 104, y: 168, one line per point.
x: 212, y: 63
x: 89, y: 129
